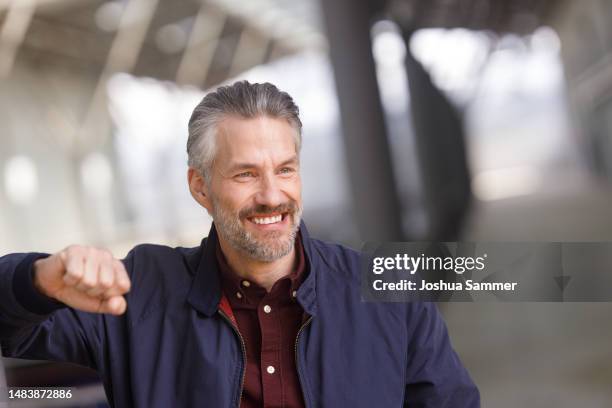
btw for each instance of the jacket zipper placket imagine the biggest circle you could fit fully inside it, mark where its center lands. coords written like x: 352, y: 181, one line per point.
x: 297, y: 363
x: 244, y: 355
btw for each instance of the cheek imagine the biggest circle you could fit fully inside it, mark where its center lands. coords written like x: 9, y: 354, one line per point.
x: 235, y: 196
x: 294, y: 189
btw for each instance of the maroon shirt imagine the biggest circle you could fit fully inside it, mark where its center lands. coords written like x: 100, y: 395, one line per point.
x: 268, y: 323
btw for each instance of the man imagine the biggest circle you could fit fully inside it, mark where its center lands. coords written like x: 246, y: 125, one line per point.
x: 259, y: 314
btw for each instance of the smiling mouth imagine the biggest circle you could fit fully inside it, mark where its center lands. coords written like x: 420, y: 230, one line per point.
x: 267, y: 219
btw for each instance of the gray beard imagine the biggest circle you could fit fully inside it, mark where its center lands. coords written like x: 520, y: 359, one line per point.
x: 274, y: 246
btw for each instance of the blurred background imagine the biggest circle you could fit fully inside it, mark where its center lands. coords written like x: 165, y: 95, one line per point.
x: 439, y: 119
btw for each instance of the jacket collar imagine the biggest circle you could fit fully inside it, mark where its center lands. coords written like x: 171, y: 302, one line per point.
x: 205, y: 293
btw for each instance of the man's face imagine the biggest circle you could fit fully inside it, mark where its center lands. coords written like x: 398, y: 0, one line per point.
x: 255, y: 186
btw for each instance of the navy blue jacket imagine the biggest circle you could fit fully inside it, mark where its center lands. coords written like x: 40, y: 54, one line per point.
x: 175, y: 347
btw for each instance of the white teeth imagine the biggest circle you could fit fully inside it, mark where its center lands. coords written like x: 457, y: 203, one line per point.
x: 267, y: 220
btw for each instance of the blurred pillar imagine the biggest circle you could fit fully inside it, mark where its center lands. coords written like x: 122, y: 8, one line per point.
x: 375, y: 198
x: 438, y: 129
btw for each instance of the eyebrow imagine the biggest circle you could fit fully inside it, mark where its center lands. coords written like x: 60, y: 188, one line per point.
x: 292, y: 160
x: 247, y: 166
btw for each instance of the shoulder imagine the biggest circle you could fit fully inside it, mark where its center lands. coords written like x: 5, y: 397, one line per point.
x: 342, y: 268
x: 159, y: 274
x: 154, y: 258
x: 338, y: 266
x: 336, y: 256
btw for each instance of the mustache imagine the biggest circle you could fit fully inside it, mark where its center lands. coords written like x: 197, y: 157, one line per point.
x: 290, y: 207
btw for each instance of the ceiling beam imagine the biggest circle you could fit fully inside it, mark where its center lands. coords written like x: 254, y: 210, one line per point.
x: 13, y: 32
x: 204, y: 37
x: 122, y: 57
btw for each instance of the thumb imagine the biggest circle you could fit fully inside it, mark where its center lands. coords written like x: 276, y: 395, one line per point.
x: 115, y: 305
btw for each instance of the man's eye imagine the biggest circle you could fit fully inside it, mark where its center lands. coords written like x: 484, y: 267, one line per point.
x: 287, y: 170
x: 245, y: 174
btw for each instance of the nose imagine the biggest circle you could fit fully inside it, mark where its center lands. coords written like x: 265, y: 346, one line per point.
x: 270, y: 193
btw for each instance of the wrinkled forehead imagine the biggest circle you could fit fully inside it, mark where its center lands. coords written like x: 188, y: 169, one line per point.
x: 257, y: 140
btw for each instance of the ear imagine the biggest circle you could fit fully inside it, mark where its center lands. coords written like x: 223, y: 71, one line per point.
x: 199, y: 189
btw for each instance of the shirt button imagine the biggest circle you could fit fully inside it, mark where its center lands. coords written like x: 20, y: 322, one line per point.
x: 239, y: 295
x: 246, y: 283
x: 294, y: 293
x: 270, y: 369
x: 268, y: 309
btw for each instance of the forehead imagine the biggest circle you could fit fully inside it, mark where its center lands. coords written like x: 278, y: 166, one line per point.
x: 254, y: 139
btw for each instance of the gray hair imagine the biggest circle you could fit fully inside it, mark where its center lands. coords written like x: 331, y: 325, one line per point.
x: 242, y: 99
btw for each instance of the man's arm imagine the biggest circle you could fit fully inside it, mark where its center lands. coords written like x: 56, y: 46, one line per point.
x: 51, y: 305
x: 435, y: 376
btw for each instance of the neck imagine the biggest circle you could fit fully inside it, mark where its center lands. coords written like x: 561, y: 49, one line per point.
x: 264, y: 274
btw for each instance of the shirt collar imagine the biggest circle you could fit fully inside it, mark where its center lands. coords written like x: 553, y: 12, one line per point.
x: 244, y: 291
x: 206, y: 290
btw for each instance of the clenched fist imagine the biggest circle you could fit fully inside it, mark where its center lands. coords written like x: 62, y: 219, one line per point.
x: 85, y: 278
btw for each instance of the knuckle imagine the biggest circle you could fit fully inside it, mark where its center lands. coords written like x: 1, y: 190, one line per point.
x: 103, y: 253
x: 88, y: 282
x: 118, y: 265
x: 70, y: 251
x: 105, y: 282
x: 75, y: 273
x: 76, y: 250
x: 125, y: 285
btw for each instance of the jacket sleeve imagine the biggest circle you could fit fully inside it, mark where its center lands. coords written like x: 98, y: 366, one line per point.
x: 34, y: 326
x: 435, y: 377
